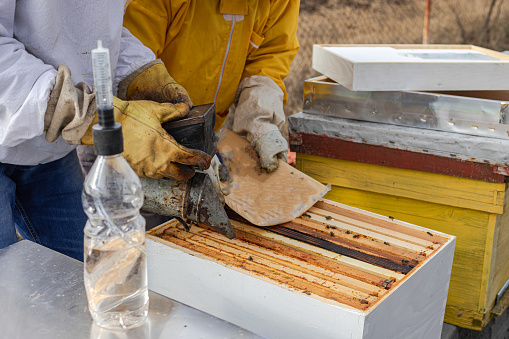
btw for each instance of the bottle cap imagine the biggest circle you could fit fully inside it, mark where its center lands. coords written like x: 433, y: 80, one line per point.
x: 107, y: 137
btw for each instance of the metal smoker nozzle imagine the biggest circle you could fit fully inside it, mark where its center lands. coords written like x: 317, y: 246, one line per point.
x: 195, y: 200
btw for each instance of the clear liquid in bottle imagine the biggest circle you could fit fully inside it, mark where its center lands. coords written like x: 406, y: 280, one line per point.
x: 115, y: 271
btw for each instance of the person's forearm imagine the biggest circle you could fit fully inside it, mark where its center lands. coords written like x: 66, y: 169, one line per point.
x: 25, y: 84
x: 133, y: 55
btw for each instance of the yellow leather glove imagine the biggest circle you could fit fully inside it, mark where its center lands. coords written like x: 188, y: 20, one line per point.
x: 153, y: 82
x: 151, y: 151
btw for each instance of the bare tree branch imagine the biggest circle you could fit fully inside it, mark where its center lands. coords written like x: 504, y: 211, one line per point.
x: 457, y: 18
x: 487, y: 21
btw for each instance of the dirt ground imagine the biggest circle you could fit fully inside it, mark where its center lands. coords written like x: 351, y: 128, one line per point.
x: 392, y: 22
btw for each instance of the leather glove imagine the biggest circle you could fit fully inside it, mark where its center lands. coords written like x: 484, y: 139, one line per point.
x: 270, y: 148
x: 257, y: 115
x: 153, y: 82
x: 150, y: 151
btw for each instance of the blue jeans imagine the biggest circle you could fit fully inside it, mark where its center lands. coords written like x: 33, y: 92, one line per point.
x: 43, y: 203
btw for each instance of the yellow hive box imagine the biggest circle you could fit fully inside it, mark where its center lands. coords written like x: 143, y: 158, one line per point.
x: 475, y: 211
x: 437, y: 160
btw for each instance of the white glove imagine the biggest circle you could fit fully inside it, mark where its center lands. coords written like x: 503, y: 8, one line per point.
x: 257, y: 115
x: 271, y: 147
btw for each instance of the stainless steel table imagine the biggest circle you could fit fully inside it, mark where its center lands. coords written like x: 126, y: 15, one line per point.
x: 42, y: 296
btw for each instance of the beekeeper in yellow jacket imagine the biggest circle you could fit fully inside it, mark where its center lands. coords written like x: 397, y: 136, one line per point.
x: 231, y: 52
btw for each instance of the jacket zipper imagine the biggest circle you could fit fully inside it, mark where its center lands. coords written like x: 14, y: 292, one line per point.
x: 225, y: 57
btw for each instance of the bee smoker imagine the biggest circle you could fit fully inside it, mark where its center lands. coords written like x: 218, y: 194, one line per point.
x: 195, y: 200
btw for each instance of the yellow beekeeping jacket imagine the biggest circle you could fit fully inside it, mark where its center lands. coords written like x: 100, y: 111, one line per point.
x: 209, y: 46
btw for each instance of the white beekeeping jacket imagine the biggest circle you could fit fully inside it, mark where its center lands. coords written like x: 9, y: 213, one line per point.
x: 36, y: 36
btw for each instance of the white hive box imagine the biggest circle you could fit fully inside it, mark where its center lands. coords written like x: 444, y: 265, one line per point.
x: 413, y: 67
x: 335, y: 272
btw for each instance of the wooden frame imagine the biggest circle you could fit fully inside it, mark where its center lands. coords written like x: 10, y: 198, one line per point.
x: 413, y: 67
x: 281, y: 287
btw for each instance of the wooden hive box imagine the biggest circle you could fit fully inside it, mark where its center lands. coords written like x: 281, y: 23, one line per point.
x: 443, y: 181
x: 413, y: 67
x: 335, y: 272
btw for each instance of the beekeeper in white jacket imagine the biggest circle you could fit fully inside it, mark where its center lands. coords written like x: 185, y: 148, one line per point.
x: 47, y: 107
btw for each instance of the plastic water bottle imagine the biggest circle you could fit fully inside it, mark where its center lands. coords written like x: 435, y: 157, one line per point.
x: 115, y: 265
x: 115, y: 258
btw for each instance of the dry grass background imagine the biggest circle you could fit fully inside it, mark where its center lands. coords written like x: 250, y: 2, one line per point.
x: 393, y: 22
